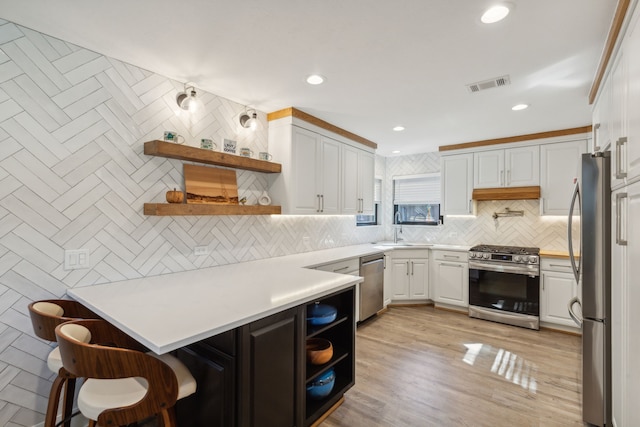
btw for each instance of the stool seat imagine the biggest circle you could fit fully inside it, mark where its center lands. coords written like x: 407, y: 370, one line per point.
x: 97, y: 395
x: 54, y: 360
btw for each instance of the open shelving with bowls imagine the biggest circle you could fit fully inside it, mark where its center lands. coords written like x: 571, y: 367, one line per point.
x: 193, y: 154
x: 341, y: 333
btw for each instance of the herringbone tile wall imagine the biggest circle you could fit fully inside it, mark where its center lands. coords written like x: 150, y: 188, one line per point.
x: 73, y: 175
x: 529, y: 230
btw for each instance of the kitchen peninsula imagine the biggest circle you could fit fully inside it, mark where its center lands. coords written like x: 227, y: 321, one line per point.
x: 241, y: 329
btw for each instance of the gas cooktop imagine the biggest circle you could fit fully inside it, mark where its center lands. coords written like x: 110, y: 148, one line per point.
x: 514, y: 250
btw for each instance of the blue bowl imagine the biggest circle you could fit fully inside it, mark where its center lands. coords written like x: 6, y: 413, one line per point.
x: 321, y: 314
x: 322, y: 385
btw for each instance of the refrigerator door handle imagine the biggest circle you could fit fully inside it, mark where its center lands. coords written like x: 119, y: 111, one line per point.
x: 576, y: 196
x: 576, y: 318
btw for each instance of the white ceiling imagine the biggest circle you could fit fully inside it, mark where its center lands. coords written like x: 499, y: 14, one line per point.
x: 387, y: 62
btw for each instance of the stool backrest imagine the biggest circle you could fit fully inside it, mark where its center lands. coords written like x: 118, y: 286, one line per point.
x: 47, y: 314
x: 96, y: 349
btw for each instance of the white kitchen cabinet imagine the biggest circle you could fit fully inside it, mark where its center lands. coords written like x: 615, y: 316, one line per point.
x: 450, y: 278
x: 320, y: 174
x: 409, y: 274
x: 625, y: 293
x: 632, y: 147
x: 559, y: 165
x: 557, y: 287
x: 310, y: 182
x: 512, y: 167
x: 456, y: 172
x: 358, y: 181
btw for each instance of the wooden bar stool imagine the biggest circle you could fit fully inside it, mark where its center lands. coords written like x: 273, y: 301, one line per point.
x: 122, y: 384
x: 45, y: 316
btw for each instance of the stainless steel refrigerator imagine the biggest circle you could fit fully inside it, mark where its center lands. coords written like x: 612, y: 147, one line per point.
x: 592, y: 268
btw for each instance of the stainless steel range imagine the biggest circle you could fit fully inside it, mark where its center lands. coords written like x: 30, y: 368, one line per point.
x: 504, y: 284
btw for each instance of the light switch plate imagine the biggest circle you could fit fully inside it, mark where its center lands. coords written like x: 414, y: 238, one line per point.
x: 75, y: 259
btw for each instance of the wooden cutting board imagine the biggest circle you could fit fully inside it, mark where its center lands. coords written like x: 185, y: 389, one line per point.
x: 210, y: 185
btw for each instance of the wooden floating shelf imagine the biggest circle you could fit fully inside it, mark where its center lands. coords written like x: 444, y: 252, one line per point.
x: 178, y: 209
x: 507, y: 193
x: 185, y: 152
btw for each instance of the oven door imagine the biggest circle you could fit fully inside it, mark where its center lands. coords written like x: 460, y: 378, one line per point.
x: 504, y: 291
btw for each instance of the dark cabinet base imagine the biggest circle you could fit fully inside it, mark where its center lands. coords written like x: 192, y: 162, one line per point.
x: 256, y: 375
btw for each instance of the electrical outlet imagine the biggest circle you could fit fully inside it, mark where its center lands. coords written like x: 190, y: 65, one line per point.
x: 201, y: 250
x: 76, y: 259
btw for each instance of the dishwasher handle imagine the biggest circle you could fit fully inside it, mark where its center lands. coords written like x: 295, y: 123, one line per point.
x: 371, y: 259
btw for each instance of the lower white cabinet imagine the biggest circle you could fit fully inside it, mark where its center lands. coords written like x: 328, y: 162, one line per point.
x: 408, y: 274
x: 625, y: 294
x: 557, y: 287
x: 450, y: 278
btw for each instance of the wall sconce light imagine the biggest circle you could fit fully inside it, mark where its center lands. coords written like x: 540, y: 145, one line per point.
x: 187, y: 99
x: 249, y: 119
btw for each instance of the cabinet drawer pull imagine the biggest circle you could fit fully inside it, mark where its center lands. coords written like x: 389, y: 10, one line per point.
x: 318, y: 201
x: 559, y: 265
x: 451, y: 256
x: 407, y: 268
x: 447, y: 264
x: 322, y: 203
x: 412, y: 268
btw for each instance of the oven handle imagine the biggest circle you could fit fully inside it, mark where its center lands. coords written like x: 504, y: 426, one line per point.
x: 502, y: 269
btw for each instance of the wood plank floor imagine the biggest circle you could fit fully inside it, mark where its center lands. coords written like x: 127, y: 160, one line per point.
x: 420, y: 366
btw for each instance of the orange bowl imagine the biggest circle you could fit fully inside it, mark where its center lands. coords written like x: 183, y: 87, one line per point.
x: 319, y: 351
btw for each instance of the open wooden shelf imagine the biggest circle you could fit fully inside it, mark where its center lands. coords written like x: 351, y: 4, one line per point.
x: 507, y: 193
x: 177, y: 209
x: 200, y: 155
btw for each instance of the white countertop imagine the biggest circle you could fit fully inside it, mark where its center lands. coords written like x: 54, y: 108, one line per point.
x: 170, y: 311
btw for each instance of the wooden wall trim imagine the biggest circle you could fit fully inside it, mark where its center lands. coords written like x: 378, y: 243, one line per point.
x: 294, y: 112
x: 612, y: 38
x: 517, y: 138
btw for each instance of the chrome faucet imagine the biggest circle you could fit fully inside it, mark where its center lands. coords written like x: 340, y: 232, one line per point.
x: 397, y: 228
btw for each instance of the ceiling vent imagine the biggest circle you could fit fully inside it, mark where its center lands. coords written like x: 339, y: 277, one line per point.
x: 488, y: 84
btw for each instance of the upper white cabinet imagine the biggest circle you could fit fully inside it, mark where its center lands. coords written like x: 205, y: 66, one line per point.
x: 512, y: 167
x: 621, y: 94
x: 457, y: 184
x: 559, y: 165
x: 316, y: 174
x: 320, y: 175
x: 358, y: 168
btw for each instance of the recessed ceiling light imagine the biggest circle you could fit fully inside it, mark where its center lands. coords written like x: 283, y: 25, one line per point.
x: 495, y: 14
x: 398, y: 128
x: 520, y: 107
x: 395, y: 152
x: 315, y: 79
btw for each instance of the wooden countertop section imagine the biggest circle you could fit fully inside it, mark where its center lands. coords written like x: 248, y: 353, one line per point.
x: 555, y: 254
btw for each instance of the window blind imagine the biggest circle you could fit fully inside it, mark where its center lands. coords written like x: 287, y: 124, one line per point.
x: 416, y: 189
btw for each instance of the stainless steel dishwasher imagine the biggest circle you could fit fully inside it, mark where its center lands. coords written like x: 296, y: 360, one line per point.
x: 371, y: 289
